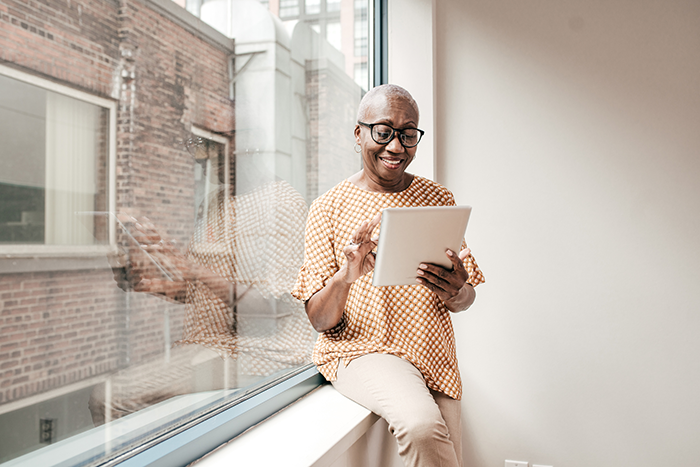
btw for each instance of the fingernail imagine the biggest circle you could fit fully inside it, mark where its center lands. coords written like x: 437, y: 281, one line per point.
x: 449, y: 252
x: 423, y: 266
x: 420, y: 272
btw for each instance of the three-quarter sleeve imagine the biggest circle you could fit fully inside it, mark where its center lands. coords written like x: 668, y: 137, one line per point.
x: 319, y: 254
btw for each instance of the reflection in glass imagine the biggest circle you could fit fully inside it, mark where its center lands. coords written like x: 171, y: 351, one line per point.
x: 153, y: 196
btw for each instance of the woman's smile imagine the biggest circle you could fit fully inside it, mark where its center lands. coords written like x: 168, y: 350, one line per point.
x: 391, y: 163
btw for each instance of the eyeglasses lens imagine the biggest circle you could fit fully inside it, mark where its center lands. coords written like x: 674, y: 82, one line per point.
x: 382, y: 134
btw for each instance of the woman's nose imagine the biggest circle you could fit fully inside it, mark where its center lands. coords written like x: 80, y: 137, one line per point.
x: 395, y: 144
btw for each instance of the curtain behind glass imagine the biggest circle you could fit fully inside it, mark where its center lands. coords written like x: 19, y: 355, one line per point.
x: 71, y: 143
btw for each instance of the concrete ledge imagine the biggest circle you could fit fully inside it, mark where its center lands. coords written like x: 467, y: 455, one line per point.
x: 312, y: 432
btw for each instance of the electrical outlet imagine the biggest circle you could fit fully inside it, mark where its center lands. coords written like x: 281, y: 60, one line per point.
x: 517, y: 464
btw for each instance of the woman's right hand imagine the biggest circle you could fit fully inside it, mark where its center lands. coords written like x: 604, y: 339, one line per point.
x: 325, y: 307
x: 359, y: 252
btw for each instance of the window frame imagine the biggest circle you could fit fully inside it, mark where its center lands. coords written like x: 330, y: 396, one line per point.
x: 211, y: 431
x: 88, y: 251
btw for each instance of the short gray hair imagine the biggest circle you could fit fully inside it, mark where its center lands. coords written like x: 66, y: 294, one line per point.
x: 391, y: 91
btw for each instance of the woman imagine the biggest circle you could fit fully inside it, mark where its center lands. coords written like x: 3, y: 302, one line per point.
x: 391, y: 349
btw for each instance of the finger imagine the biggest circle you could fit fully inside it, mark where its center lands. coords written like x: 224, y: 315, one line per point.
x: 455, y: 259
x: 356, y: 237
x: 449, y: 281
x: 375, y: 221
x: 440, y: 292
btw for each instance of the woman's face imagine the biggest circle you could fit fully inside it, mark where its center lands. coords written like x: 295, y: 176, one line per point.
x: 385, y: 164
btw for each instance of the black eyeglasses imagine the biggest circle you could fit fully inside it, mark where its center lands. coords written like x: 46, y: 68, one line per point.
x: 383, y: 134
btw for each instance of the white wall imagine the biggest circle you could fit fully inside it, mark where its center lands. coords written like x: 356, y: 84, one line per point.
x: 573, y: 128
x: 411, y: 52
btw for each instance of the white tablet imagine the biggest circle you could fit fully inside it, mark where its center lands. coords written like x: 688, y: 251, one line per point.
x: 410, y: 236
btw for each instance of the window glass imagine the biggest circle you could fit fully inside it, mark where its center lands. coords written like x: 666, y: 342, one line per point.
x: 157, y: 167
x: 312, y: 7
x: 333, y: 5
x: 334, y: 35
x: 289, y: 8
x: 54, y: 167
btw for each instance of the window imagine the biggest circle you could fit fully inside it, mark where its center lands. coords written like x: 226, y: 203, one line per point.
x: 289, y: 8
x: 312, y: 7
x: 55, y: 167
x: 334, y: 35
x: 361, y: 29
x: 154, y: 189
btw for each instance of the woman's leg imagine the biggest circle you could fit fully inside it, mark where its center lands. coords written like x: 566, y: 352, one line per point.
x: 451, y: 411
x: 395, y: 390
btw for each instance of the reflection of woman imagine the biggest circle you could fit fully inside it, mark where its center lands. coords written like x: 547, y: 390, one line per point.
x: 252, y: 241
x: 390, y: 349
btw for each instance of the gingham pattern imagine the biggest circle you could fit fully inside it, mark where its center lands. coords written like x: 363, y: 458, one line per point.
x: 408, y: 321
x: 254, y: 240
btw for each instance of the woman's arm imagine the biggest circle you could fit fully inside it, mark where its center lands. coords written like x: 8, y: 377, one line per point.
x: 325, y: 308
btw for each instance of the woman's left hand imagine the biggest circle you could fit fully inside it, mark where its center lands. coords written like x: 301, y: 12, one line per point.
x: 449, y: 285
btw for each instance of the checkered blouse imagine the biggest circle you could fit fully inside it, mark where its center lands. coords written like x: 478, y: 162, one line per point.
x: 408, y: 321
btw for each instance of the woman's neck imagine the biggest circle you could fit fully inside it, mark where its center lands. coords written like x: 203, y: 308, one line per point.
x: 364, y: 182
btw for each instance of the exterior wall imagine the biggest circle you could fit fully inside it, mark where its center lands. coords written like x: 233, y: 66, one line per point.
x: 56, y: 329
x: 333, y: 112
x: 62, y: 326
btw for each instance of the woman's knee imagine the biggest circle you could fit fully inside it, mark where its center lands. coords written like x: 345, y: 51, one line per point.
x: 418, y: 428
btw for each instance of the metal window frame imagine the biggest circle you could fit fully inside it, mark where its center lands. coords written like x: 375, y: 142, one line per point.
x: 380, y: 42
x: 196, y: 440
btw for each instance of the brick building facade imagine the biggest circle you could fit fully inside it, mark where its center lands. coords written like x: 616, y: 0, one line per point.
x: 63, y: 321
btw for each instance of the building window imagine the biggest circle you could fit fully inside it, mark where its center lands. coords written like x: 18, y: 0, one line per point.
x: 334, y: 35
x: 55, y: 173
x: 211, y: 167
x: 361, y: 28
x: 312, y: 7
x: 289, y: 8
x: 361, y: 72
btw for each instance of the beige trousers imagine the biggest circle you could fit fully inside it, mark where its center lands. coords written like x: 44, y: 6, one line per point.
x: 427, y: 424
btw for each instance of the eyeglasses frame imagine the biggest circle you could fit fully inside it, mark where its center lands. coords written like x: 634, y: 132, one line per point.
x: 394, y: 132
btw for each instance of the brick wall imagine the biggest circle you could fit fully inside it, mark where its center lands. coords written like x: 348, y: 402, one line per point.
x: 60, y: 327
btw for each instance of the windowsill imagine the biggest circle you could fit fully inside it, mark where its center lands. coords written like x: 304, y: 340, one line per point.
x: 314, y: 431
x: 15, y: 259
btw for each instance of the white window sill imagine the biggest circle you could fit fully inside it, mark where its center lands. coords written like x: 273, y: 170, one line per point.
x: 15, y: 259
x: 312, y: 432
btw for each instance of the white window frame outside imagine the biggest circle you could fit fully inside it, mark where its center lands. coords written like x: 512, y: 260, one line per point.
x: 37, y: 250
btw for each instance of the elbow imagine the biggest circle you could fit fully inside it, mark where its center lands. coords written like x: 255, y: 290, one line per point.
x: 322, y: 325
x: 319, y: 321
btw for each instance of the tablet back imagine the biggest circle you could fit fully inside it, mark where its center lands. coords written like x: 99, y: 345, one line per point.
x: 410, y: 236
